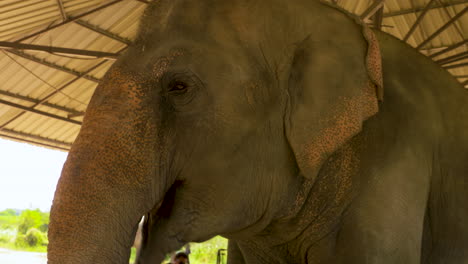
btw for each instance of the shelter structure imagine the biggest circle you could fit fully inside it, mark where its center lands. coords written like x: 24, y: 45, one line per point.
x: 54, y: 52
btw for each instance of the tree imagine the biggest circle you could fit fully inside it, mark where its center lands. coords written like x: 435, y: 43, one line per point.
x: 29, y: 219
x: 8, y: 212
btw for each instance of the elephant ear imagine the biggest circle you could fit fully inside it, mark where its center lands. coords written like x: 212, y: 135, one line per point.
x: 334, y: 86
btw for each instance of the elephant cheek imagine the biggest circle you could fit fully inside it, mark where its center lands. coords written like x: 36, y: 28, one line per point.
x: 108, y: 181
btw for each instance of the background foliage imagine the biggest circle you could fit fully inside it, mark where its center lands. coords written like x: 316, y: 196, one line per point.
x: 206, y: 252
x: 201, y: 253
x: 26, y: 230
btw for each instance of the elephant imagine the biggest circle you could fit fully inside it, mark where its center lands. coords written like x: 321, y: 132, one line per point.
x: 288, y: 127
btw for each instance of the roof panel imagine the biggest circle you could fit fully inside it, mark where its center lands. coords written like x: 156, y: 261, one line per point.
x: 109, y: 29
x: 7, y: 114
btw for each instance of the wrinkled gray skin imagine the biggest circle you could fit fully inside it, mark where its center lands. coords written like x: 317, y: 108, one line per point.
x: 210, y: 123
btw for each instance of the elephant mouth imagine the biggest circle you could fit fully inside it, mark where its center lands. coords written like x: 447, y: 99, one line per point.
x: 164, y: 211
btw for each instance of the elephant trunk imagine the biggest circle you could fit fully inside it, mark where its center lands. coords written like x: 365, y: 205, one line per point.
x: 108, y: 181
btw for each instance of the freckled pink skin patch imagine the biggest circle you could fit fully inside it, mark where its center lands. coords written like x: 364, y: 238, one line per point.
x: 161, y: 66
x: 374, y: 61
x: 345, y: 121
x: 348, y: 114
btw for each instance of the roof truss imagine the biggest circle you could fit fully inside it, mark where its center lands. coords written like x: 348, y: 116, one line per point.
x: 49, y: 49
x: 419, y: 9
x: 373, y: 15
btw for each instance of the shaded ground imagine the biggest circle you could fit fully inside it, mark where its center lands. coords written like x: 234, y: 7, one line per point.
x: 20, y: 257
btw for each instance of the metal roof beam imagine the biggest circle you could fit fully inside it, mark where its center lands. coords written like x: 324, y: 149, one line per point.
x: 43, y: 100
x: 62, y: 10
x: 454, y: 66
x: 465, y: 84
x: 21, y: 46
x: 66, y: 146
x: 70, y: 20
x: 443, y: 28
x: 378, y: 18
x: 39, y: 112
x: 436, y: 48
x: 454, y: 58
x: 418, y: 20
x: 450, y: 48
x: 76, y: 115
x: 35, y: 101
x: 457, y: 28
x: 419, y: 9
x: 52, y: 65
x: 372, y: 9
x: 103, y: 32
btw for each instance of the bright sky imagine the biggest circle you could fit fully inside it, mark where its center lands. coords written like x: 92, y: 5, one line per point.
x: 28, y: 175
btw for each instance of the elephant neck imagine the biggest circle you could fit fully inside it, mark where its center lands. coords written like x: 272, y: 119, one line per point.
x: 311, y: 224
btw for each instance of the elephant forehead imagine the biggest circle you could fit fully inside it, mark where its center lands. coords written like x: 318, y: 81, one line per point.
x: 127, y: 86
x: 121, y: 79
x: 119, y: 89
x: 198, y: 19
x: 162, y: 64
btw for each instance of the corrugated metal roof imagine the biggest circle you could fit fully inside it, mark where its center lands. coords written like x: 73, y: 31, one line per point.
x: 43, y: 95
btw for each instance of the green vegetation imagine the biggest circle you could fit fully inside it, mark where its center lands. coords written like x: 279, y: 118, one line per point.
x: 27, y: 231
x: 8, y: 219
x: 207, y: 251
x: 201, y: 253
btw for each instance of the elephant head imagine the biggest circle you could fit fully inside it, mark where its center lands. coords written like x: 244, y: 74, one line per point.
x: 213, y: 121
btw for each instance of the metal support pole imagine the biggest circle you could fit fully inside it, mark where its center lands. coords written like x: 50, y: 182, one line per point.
x: 21, y: 46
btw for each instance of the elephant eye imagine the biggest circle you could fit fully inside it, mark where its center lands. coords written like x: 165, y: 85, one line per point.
x: 178, y: 87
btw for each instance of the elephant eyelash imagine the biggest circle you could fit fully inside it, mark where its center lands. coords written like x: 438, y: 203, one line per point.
x: 178, y: 82
x: 178, y: 87
x: 181, y: 88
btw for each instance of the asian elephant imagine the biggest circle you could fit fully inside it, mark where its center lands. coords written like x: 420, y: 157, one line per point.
x: 286, y: 126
